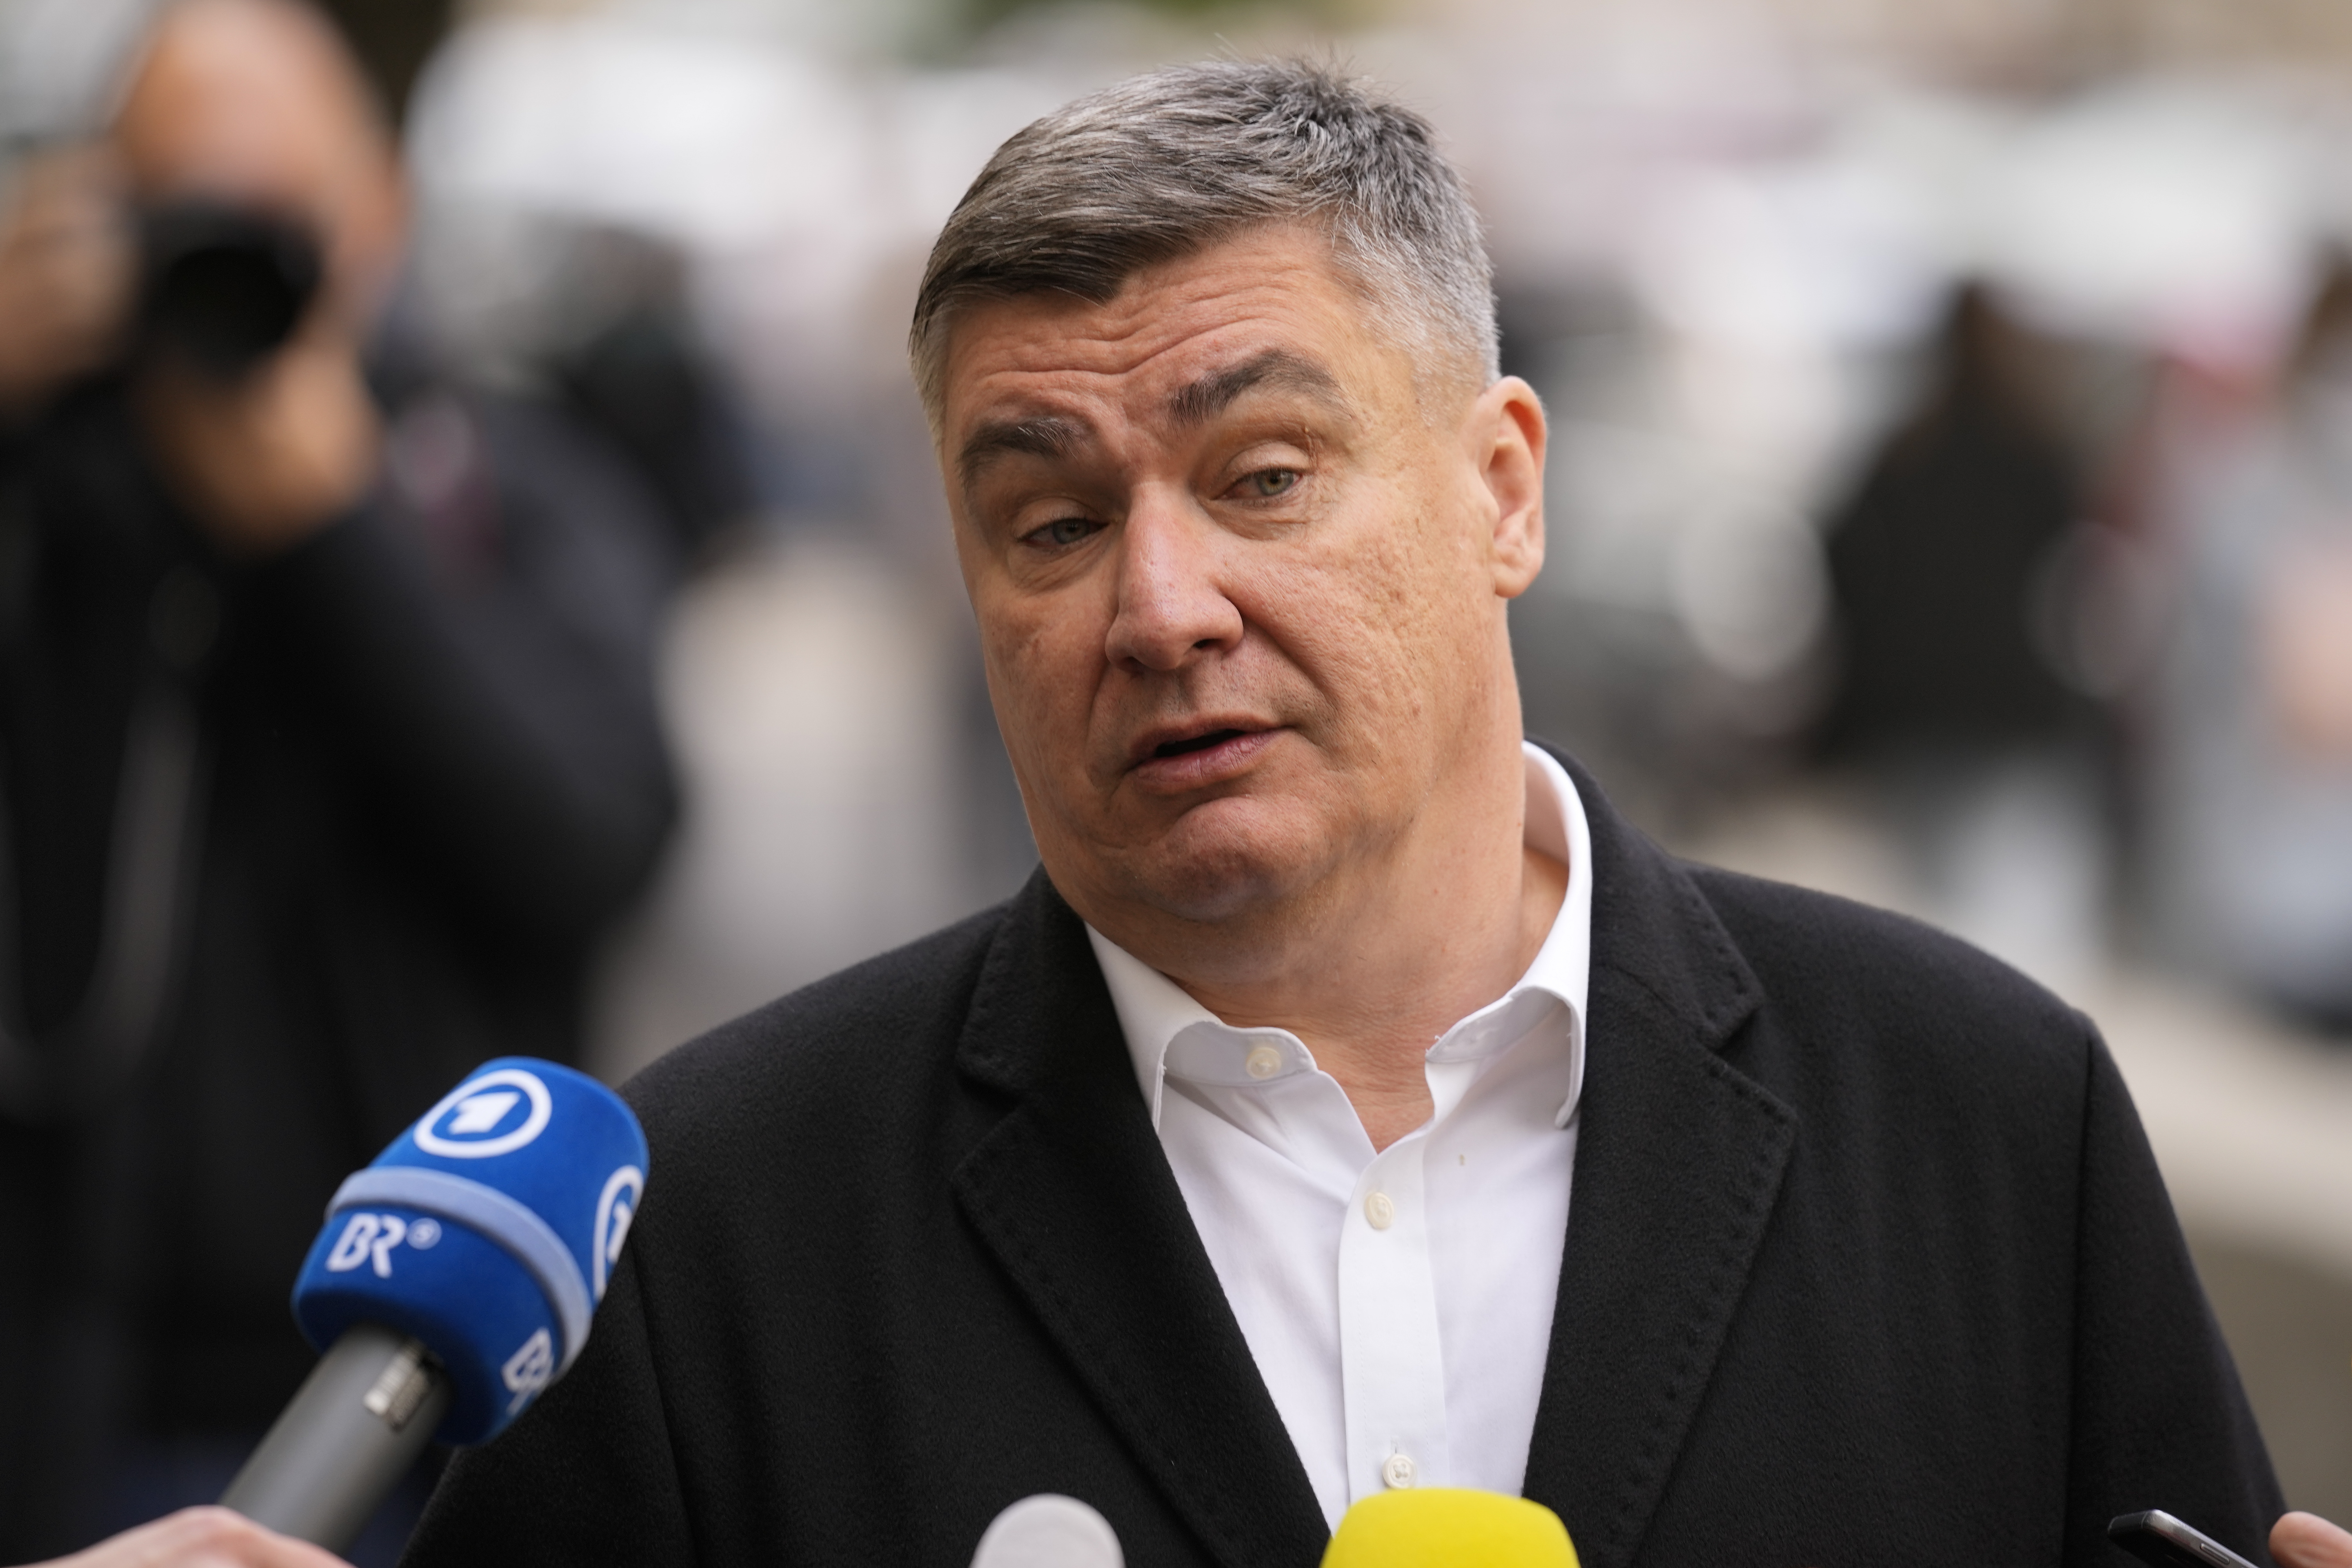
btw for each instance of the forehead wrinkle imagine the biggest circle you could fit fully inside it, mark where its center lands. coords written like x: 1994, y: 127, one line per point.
x: 1035, y: 436
x: 1208, y: 395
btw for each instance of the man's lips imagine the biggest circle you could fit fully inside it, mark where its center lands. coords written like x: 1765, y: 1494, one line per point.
x: 1201, y: 742
x: 1194, y: 755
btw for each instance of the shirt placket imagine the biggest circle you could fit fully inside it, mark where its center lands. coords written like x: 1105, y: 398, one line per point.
x: 1393, y: 1368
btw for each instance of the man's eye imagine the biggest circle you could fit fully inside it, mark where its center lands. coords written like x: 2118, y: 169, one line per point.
x: 1062, y: 533
x: 1267, y: 483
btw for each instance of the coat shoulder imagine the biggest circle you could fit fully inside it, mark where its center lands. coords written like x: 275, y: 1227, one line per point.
x: 861, y: 1037
x: 1837, y: 971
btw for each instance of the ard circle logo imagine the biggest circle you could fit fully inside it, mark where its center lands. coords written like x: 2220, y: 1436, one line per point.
x: 614, y: 1209
x: 478, y: 1119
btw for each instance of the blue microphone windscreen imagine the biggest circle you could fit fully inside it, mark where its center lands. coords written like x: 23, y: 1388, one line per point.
x: 488, y: 1230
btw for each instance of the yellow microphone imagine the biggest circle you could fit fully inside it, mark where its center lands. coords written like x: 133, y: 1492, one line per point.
x: 1445, y: 1527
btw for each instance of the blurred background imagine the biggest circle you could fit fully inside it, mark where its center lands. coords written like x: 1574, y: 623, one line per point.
x: 1951, y: 489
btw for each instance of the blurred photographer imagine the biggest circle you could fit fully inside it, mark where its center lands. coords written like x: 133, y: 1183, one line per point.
x: 327, y: 745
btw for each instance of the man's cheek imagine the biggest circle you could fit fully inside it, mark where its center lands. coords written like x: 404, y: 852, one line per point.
x: 1014, y: 638
x: 1043, y: 688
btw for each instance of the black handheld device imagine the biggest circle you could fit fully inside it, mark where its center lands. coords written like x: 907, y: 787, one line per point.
x: 2156, y: 1537
x: 221, y: 287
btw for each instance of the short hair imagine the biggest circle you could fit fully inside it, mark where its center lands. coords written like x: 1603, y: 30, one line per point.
x: 1166, y: 164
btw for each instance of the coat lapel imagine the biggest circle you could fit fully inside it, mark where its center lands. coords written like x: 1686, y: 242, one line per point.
x: 1071, y: 1192
x: 1678, y: 1164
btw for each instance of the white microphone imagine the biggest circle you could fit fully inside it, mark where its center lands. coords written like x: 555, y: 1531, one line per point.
x: 1049, y: 1531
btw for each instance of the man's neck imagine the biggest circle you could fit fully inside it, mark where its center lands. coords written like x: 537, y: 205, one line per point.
x: 1393, y: 956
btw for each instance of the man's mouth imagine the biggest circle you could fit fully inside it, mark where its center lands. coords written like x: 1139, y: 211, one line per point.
x: 1199, y: 742
x: 1188, y: 758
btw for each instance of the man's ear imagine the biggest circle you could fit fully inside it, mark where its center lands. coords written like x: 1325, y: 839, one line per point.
x: 1507, y: 426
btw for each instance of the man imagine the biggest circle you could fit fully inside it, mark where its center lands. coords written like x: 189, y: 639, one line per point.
x: 330, y: 746
x: 1728, y: 1221
x: 1352, y: 1101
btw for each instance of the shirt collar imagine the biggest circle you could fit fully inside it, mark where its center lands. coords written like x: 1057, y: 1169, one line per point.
x: 1170, y: 1033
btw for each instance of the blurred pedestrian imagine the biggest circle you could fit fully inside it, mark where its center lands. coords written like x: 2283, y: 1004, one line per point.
x: 1945, y: 567
x: 330, y: 746
x: 1934, y: 558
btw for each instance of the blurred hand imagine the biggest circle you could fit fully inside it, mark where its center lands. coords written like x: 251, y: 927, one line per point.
x: 2307, y: 1540
x: 2305, y: 636
x: 200, y: 1538
x: 67, y: 268
x: 268, y: 461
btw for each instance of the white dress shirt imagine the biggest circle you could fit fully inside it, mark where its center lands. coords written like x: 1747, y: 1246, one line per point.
x: 1398, y: 1304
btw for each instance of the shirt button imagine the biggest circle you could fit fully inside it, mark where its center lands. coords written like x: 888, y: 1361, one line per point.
x: 1263, y: 1062
x: 1397, y: 1470
x: 1381, y: 1212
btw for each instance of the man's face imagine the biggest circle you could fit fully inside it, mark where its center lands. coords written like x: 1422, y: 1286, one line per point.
x: 1239, y: 594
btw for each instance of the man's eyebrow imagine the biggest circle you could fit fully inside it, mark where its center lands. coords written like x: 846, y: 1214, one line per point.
x: 1038, y: 436
x: 1278, y: 368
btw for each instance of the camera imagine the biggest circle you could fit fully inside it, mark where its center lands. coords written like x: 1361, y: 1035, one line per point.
x: 221, y: 287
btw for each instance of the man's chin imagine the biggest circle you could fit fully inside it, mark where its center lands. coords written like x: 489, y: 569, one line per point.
x: 1222, y: 860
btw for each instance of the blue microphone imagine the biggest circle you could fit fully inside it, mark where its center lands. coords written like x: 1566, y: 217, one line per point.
x: 453, y: 1282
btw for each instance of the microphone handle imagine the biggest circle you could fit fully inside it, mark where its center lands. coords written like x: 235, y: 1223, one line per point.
x: 344, y: 1441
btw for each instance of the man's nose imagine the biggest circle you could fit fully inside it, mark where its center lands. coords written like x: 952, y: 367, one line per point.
x: 1172, y: 606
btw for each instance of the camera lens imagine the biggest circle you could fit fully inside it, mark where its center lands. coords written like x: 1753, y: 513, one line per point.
x: 224, y: 287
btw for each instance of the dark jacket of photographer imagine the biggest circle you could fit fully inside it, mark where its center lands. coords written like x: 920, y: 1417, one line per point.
x: 290, y: 844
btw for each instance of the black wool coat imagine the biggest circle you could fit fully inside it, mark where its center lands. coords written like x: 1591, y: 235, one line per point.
x: 1867, y: 1263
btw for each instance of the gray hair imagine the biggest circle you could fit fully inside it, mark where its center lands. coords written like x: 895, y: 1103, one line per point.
x: 1166, y: 164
